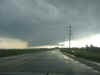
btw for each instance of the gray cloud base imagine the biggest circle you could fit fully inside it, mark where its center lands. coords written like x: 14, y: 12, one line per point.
x: 44, y: 20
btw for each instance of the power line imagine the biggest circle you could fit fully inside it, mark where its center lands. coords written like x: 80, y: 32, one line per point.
x: 64, y: 34
x: 70, y: 35
x: 69, y: 29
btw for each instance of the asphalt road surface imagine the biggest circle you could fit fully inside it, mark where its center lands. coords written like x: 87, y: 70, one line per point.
x: 44, y: 63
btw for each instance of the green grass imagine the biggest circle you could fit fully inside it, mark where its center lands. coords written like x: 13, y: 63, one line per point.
x: 84, y: 53
x: 12, y: 52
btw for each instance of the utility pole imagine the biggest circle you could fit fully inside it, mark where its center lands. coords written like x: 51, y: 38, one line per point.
x: 69, y: 30
x: 70, y: 35
x: 65, y: 35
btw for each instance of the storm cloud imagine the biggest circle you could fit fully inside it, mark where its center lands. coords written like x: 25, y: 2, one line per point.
x: 39, y: 21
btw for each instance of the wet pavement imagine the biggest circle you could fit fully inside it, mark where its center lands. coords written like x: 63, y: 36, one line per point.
x: 44, y: 63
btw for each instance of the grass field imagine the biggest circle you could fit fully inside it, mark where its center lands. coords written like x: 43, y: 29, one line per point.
x: 87, y: 53
x: 12, y: 52
x: 90, y: 53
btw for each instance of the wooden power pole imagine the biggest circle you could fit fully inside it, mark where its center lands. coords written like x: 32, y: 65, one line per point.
x: 70, y: 35
x: 69, y: 30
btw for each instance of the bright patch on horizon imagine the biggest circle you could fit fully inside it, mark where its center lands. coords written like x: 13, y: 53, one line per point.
x: 44, y: 46
x: 92, y: 40
x: 8, y: 43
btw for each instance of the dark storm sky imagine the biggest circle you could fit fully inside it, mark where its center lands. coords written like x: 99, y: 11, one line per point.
x: 44, y: 20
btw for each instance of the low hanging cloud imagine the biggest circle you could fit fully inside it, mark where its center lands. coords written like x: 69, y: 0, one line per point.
x: 44, y: 20
x: 12, y: 43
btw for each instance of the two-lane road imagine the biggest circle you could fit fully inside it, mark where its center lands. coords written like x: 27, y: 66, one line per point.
x: 45, y: 61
